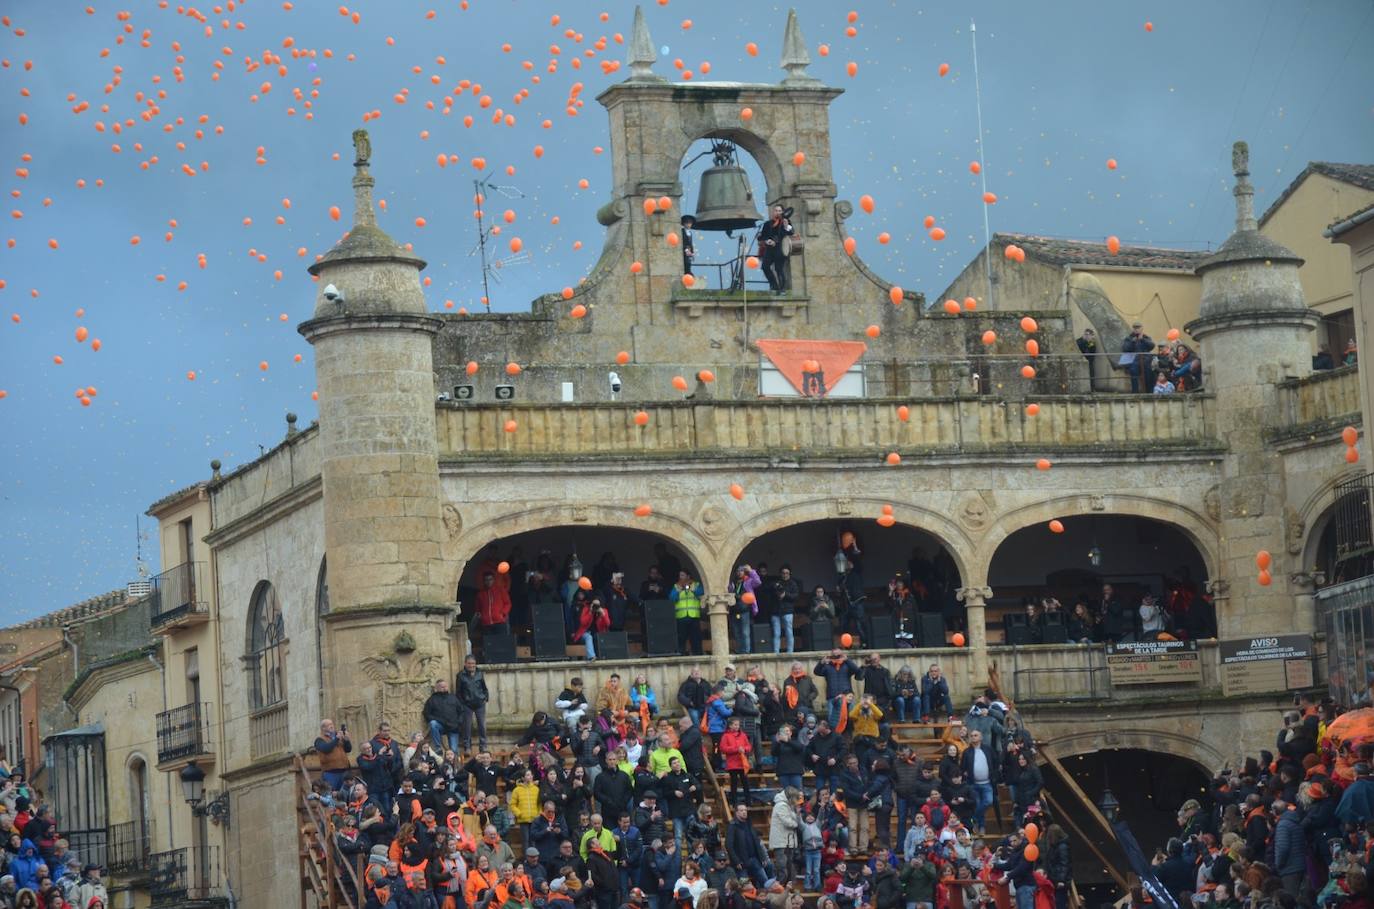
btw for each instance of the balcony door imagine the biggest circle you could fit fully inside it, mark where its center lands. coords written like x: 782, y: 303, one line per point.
x: 140, y: 806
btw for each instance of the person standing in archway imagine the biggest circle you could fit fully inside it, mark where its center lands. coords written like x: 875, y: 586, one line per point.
x: 686, y: 599
x: 772, y: 235
x: 689, y: 247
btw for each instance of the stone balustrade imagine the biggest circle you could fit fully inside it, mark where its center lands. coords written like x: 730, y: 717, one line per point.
x: 1327, y: 396
x: 806, y: 427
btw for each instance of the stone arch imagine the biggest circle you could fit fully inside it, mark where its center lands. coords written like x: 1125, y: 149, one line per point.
x: 756, y: 146
x: 948, y: 534
x: 1191, y: 523
x: 668, y: 527
x: 139, y: 783
x: 1094, y: 739
x: 1316, y: 514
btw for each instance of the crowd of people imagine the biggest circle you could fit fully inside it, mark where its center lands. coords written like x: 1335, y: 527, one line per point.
x: 609, y: 798
x: 1161, y: 368
x: 38, y: 870
x: 1293, y: 826
x: 1182, y: 612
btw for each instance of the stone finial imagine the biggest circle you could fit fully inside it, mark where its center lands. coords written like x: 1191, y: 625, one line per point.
x: 362, y: 180
x: 795, y: 58
x: 1244, y: 191
x: 291, y: 425
x: 642, y: 53
x: 214, y: 469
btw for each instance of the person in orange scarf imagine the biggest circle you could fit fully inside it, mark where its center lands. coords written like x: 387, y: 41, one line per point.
x: 736, y: 747
x: 481, y: 879
x: 799, y: 692
x: 613, y: 697
x: 838, y: 672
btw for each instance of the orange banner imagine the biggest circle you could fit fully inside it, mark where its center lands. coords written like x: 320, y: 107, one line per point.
x: 813, y: 367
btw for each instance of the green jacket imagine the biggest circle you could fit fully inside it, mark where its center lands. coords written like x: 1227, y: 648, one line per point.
x: 918, y: 884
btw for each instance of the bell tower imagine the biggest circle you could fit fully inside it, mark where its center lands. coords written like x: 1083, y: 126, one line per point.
x: 1252, y: 326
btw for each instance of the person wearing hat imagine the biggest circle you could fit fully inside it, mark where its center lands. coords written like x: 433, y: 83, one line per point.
x: 1135, y: 357
x: 689, y: 249
x: 533, y: 869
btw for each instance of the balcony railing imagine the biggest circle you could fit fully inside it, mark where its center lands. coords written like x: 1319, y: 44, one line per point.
x: 185, y: 875
x: 128, y: 847
x: 269, y: 731
x: 1331, y: 395
x: 183, y: 733
x: 179, y: 596
x: 1354, y: 527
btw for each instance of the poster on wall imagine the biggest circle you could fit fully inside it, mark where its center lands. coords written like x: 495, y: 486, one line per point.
x: 1258, y: 665
x: 1154, y: 663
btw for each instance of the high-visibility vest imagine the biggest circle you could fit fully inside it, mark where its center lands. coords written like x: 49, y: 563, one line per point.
x: 688, y: 605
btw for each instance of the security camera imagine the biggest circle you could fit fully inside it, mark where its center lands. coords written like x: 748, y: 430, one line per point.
x: 333, y: 294
x: 443, y: 396
x: 614, y: 379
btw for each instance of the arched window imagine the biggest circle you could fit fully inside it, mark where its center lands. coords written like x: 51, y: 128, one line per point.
x: 266, y: 656
x: 322, y: 589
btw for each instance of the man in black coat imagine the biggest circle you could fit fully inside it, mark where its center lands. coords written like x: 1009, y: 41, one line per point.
x: 1176, y: 874
x: 692, y: 694
x: 613, y: 790
x: 746, y: 849
x: 443, y: 713
x: 689, y: 247
x: 1136, y: 350
x: 472, y: 691
x: 689, y: 742
x: 771, y: 236
x: 825, y: 754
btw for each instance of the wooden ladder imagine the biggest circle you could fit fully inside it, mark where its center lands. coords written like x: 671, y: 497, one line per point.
x: 332, y: 882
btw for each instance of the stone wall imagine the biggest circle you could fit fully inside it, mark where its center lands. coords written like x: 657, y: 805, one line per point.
x: 292, y: 464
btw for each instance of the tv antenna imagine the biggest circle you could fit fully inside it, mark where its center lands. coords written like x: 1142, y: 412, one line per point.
x: 139, y: 537
x: 491, y: 267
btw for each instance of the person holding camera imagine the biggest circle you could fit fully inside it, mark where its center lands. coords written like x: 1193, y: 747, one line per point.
x: 686, y: 599
x: 773, y: 236
x: 594, y: 620
x: 333, y: 747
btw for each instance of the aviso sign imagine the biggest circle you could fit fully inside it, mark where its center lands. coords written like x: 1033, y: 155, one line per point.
x: 1256, y: 665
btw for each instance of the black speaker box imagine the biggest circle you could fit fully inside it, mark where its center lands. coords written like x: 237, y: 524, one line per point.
x: 550, y: 636
x: 930, y: 629
x: 1017, y: 631
x: 498, y: 648
x: 1056, y: 632
x: 612, y: 645
x: 660, y: 628
x: 884, y: 636
x: 763, y: 638
x: 820, y: 634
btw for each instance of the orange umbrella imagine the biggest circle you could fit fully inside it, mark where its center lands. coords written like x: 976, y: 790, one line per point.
x: 1344, y: 737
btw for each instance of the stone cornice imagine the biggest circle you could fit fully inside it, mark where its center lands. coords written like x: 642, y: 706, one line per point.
x: 98, y: 675
x: 269, y: 512
x: 388, y: 610
x: 314, y: 329
x: 1252, y: 319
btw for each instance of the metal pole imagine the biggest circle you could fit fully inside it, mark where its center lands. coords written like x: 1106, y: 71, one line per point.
x: 982, y: 163
x: 481, y: 199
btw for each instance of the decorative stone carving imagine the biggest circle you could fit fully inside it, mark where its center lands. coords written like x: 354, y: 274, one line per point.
x: 1244, y: 500
x: 453, y: 521
x: 973, y: 511
x: 403, y: 676
x: 714, y: 522
x: 1219, y: 587
x: 844, y: 507
x: 362, y: 148
x: 356, y: 717
x: 1293, y: 528
x: 581, y: 514
x: 973, y: 596
x: 1097, y: 503
x: 1211, y: 503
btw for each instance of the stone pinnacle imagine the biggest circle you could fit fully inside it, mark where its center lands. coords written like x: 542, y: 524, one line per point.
x: 642, y: 53
x: 795, y: 58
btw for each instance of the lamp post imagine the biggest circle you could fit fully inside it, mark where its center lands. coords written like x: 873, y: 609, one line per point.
x: 841, y: 562
x: 193, y: 790
x: 1108, y: 805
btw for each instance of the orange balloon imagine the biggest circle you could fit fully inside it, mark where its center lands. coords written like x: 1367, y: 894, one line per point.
x: 623, y: 357
x: 970, y: 304
x: 688, y: 280
x: 584, y: 582
x: 974, y: 167
x: 673, y: 239
x: 706, y: 375
x: 263, y: 366
x: 1032, y: 410
x: 886, y: 520
x: 929, y: 221
x: 799, y: 158
x: 1111, y: 164
x: 679, y: 383
x: 472, y: 367
x: 1113, y: 245
x: 957, y: 640
x: 852, y: 68
x: 846, y: 640
x: 81, y: 333
x: 887, y: 509
x: 751, y: 49
x: 1032, y: 833
x: 641, y: 418
x: 937, y: 234
x: 990, y: 198
x: 866, y: 203
x: 1263, y: 559
x: 636, y: 267
x: 1265, y: 579
x: 578, y: 311
x: 1033, y: 347
x: 567, y: 293
x: 737, y: 490
x: 896, y: 294
x: 650, y: 206
x: 512, y: 369
x: 752, y: 261
x: 1043, y: 464
x: 642, y: 511
x: 1056, y: 526
x: 904, y: 413
x: 893, y: 458
x: 747, y: 597
x: 511, y: 426
x: 1352, y: 454
x: 850, y: 244
x: 1350, y: 435
x: 1173, y: 334
x: 503, y: 568
x: 884, y: 238
x: 191, y: 376
x: 989, y: 337
x: 1029, y: 325
x: 1028, y: 371
x: 1031, y: 852
x: 873, y: 331
x: 952, y: 307
x: 516, y: 244
x: 944, y: 69
x: 746, y: 114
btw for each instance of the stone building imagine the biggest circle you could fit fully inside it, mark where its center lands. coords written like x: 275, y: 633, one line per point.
x: 336, y: 570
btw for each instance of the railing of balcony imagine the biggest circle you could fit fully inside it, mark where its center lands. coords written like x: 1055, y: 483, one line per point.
x: 189, y: 873
x: 128, y: 847
x: 183, y: 732
x: 1354, y: 528
x: 177, y: 592
x: 1326, y: 395
x: 269, y: 730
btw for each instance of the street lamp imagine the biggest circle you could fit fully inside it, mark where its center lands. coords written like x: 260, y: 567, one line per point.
x: 841, y: 561
x: 193, y: 790
x: 1109, y: 806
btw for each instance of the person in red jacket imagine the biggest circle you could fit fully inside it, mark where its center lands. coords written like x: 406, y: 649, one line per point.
x: 593, y: 621
x: 493, y: 606
x: 736, y: 747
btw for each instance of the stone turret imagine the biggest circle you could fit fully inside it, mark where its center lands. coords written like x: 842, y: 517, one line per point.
x: 383, y: 522
x: 1252, y: 328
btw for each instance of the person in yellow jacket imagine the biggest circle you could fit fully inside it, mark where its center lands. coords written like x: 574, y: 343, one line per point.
x: 524, y: 799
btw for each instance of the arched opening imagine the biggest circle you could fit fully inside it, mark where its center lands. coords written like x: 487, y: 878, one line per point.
x: 1138, y: 557
x: 856, y: 561
x: 545, y: 566
x: 321, y: 611
x: 266, y: 652
x: 1151, y: 787
x: 140, y: 804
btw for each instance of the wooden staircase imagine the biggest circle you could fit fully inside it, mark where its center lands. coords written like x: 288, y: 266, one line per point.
x: 334, y: 884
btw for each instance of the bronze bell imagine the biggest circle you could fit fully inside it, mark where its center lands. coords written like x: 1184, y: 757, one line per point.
x: 724, y: 200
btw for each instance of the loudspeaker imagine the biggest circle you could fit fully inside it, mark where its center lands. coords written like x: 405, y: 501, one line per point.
x: 1056, y: 632
x: 820, y: 634
x: 884, y: 637
x: 550, y: 636
x: 612, y: 645
x: 660, y: 628
x: 1017, y: 631
x: 930, y: 629
x: 498, y: 648
x: 763, y: 637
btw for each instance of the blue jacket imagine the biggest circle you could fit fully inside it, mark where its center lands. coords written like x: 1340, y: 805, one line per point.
x: 1290, y: 845
x: 717, y: 712
x: 934, y: 690
x: 24, y: 866
x: 648, y: 694
x: 1357, y: 805
x: 836, y: 677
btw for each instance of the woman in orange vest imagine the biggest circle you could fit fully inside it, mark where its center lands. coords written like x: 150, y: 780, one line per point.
x: 480, y: 879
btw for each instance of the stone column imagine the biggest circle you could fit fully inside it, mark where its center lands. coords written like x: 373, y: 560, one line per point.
x: 1304, y: 586
x: 974, y: 599
x: 718, y: 613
